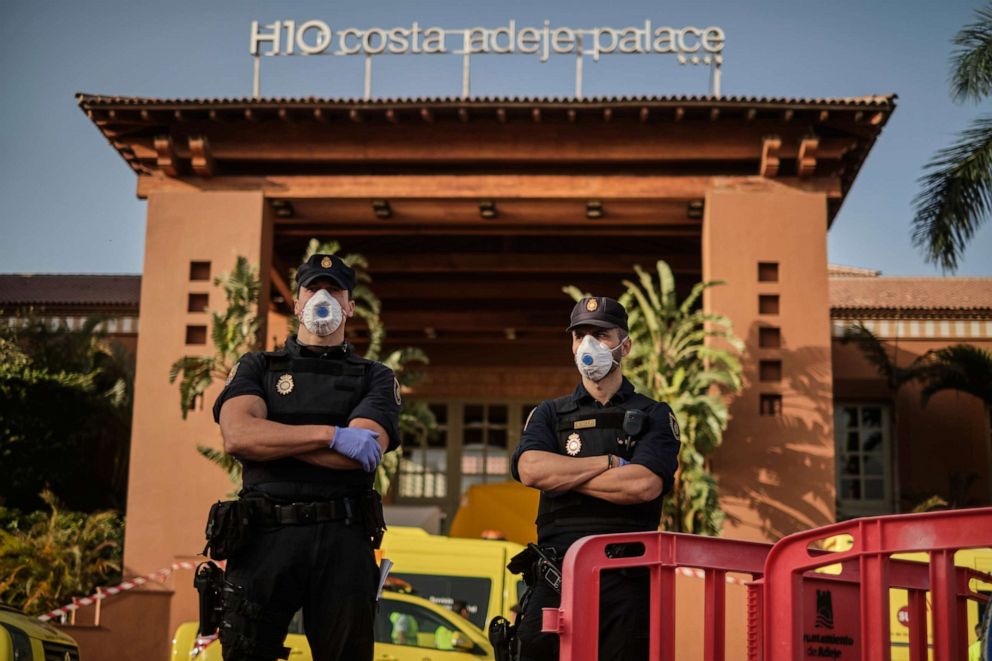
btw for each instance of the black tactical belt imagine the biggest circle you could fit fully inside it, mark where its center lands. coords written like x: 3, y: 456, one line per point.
x: 304, y: 513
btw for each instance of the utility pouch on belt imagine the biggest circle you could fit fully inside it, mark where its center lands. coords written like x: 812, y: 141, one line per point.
x: 228, y: 528
x: 375, y: 521
x: 537, y: 563
x: 209, y: 583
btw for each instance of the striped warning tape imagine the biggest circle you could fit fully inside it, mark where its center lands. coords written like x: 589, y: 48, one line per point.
x: 124, y: 586
x: 164, y: 573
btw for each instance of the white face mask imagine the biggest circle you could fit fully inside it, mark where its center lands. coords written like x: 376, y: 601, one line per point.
x: 594, y: 359
x: 322, y: 315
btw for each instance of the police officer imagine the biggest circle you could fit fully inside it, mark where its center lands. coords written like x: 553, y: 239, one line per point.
x: 309, y: 424
x: 602, y: 457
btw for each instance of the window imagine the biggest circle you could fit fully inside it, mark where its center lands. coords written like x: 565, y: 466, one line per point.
x: 768, y: 304
x: 196, y: 335
x: 767, y: 271
x: 444, y: 589
x: 769, y: 337
x: 199, y: 271
x: 770, y: 370
x: 424, y: 468
x: 197, y: 303
x: 411, y: 625
x: 862, y: 452
x: 771, y: 404
x: 484, y: 444
x: 473, y: 446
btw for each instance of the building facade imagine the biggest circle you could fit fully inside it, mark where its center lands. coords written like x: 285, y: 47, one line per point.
x: 473, y: 214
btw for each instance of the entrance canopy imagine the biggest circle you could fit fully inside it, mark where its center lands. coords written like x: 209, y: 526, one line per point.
x: 474, y: 213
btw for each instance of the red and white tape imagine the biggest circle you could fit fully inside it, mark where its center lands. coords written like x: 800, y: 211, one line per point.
x: 165, y: 572
x: 124, y: 586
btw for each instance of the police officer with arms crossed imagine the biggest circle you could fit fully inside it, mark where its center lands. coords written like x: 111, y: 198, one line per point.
x: 602, y: 457
x: 309, y: 425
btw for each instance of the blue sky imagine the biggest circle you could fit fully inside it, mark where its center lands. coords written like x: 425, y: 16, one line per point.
x: 69, y: 201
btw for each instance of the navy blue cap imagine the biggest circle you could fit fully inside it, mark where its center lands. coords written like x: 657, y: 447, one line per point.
x: 598, y: 311
x: 326, y: 266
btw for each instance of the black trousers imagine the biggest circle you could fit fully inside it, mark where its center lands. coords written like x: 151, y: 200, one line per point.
x: 624, y: 603
x: 327, y: 569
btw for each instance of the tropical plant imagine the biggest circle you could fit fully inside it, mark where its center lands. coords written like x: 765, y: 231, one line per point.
x: 82, y: 452
x: 234, y: 332
x: 956, y: 194
x: 689, y: 359
x: 46, y: 559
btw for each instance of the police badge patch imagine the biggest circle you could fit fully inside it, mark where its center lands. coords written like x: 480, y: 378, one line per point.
x: 573, y: 444
x: 396, y: 392
x: 284, y: 385
x: 675, y: 426
x: 230, y: 375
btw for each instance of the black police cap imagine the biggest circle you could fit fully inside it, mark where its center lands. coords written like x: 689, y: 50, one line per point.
x: 598, y: 311
x: 326, y: 266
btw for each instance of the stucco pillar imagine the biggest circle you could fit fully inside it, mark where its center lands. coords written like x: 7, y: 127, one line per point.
x: 776, y: 472
x: 170, y: 485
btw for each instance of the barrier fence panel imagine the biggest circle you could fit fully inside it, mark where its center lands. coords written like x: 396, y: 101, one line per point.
x: 577, y: 620
x: 868, y: 568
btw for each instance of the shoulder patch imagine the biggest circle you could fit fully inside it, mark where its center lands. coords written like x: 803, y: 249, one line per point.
x: 396, y: 392
x: 675, y: 426
x: 230, y: 375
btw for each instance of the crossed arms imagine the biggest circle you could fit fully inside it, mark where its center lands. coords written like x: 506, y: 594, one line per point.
x: 556, y: 473
x: 248, y: 435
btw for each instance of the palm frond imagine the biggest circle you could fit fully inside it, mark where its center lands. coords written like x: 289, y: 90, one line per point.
x: 956, y: 196
x: 961, y: 367
x: 971, y: 63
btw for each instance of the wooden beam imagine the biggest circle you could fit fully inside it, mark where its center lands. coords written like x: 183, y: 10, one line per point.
x: 770, y: 156
x: 320, y: 115
x: 166, y: 160
x: 535, y: 114
x: 475, y: 187
x: 501, y: 115
x: 427, y: 115
x: 570, y: 113
x: 392, y: 117
x: 714, y: 114
x: 806, y: 161
x: 355, y: 115
x: 751, y: 114
x: 679, y: 114
x: 607, y: 114
x: 201, y: 159
x: 279, y: 282
x: 498, y: 262
x: 824, y: 116
x: 463, y: 115
x: 645, y: 114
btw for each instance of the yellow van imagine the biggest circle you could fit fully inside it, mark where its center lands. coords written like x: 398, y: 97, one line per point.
x: 406, y: 628
x: 24, y: 638
x: 449, y: 569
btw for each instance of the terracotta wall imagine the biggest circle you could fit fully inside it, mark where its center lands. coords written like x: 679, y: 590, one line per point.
x: 776, y: 473
x: 129, y: 630
x: 942, y: 449
x: 171, y: 486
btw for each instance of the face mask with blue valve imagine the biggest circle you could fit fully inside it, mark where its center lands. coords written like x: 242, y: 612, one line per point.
x: 322, y: 315
x: 594, y: 359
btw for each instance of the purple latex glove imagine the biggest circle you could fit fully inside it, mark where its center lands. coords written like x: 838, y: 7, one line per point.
x: 359, y: 444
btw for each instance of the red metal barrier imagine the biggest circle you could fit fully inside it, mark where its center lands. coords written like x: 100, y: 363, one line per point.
x: 790, y: 595
x: 868, y: 566
x: 577, y: 620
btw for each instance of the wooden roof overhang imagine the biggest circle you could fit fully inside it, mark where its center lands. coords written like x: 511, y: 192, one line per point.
x: 378, y: 174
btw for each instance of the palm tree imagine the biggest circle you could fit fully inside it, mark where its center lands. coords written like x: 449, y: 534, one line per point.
x: 957, y: 184
x: 677, y: 357
x: 961, y: 367
x: 875, y: 352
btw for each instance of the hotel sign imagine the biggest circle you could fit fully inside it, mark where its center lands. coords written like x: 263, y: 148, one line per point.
x: 691, y: 45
